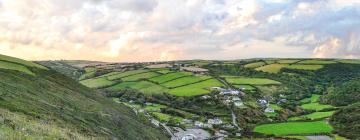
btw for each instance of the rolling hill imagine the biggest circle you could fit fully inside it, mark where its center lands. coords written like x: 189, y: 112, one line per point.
x: 39, y: 103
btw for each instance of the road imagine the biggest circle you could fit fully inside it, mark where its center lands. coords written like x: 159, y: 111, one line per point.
x: 234, y: 120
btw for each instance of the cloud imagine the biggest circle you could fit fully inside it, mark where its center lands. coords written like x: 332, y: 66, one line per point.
x: 153, y: 30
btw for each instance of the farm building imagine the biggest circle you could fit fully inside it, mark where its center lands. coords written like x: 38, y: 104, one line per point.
x: 269, y: 110
x: 215, y: 121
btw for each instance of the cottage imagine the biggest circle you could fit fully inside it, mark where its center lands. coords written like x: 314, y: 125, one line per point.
x: 215, y: 121
x: 269, y: 110
x: 238, y: 103
x: 236, y: 99
x: 206, y: 97
x: 263, y: 102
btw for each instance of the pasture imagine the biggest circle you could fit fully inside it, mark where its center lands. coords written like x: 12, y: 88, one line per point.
x: 15, y: 67
x: 313, y: 116
x: 140, y: 76
x: 185, y: 81
x: 272, y: 68
x: 316, y: 61
x: 89, y: 73
x: 97, y: 82
x: 164, y: 71
x: 171, y: 76
x: 316, y: 106
x: 21, y: 62
x: 305, y: 67
x: 165, y: 117
x: 255, y: 64
x: 313, y: 99
x: 196, y: 89
x: 294, y: 128
x: 127, y: 73
x: 251, y: 81
x: 287, y: 61
x: 143, y: 86
x: 349, y: 61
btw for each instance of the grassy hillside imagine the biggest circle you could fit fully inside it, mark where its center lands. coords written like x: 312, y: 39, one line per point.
x: 48, y: 105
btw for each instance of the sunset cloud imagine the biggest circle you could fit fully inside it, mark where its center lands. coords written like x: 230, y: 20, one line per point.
x: 154, y: 30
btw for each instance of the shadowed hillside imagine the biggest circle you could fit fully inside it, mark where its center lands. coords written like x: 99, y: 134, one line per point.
x: 36, y: 102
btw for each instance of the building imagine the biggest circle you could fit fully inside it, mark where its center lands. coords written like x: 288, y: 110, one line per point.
x: 206, y: 97
x: 262, y: 102
x: 269, y: 110
x: 238, y: 103
x: 215, y: 121
x: 230, y: 92
x: 189, y: 137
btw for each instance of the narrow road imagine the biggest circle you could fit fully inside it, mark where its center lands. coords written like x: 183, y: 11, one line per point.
x: 234, y: 120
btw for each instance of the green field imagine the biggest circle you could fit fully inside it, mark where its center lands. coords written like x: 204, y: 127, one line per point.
x: 314, y: 61
x: 185, y: 81
x: 313, y: 99
x: 272, y: 68
x: 294, y: 128
x: 140, y: 76
x: 21, y: 62
x: 316, y: 106
x: 165, y: 117
x: 305, y: 67
x: 196, y: 89
x: 171, y: 76
x: 275, y: 106
x: 16, y: 67
x: 97, y: 82
x: 127, y: 73
x: 312, y: 116
x: 251, y: 81
x: 89, y: 73
x: 287, y: 61
x: 154, y: 107
x: 143, y: 86
x: 349, y: 61
x: 164, y: 71
x: 255, y: 65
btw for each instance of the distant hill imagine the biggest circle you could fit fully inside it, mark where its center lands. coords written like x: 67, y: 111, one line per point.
x: 40, y: 103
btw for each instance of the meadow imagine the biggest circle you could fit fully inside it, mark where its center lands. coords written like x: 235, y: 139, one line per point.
x: 316, y: 106
x: 251, y: 81
x: 255, y: 65
x: 143, y: 86
x: 313, y: 116
x: 349, y: 61
x: 287, y: 61
x: 305, y: 67
x: 97, y: 82
x: 171, y: 76
x: 185, y: 81
x: 21, y: 62
x: 314, y: 61
x: 294, y: 128
x: 127, y: 73
x: 196, y: 89
x: 165, y: 117
x: 89, y: 73
x: 137, y: 77
x: 272, y: 68
x: 16, y: 67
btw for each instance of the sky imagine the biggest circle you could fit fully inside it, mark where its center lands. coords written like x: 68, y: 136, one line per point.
x: 162, y: 30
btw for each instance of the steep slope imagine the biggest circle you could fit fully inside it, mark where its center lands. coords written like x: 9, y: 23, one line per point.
x: 46, y: 104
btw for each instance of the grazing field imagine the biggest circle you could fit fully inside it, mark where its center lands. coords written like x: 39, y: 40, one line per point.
x: 293, y: 128
x: 251, y: 81
x: 255, y: 64
x: 349, y: 61
x: 124, y: 74
x: 16, y: 67
x: 164, y: 71
x: 143, y: 86
x: 305, y: 67
x: 272, y: 68
x: 140, y: 76
x: 313, y: 99
x: 245, y: 87
x: 154, y: 107
x: 185, y: 81
x: 21, y: 62
x: 316, y: 106
x: 314, y: 61
x: 165, y: 117
x: 97, y: 82
x: 313, y: 116
x: 89, y: 73
x: 287, y: 61
x: 195, y: 89
x: 171, y: 76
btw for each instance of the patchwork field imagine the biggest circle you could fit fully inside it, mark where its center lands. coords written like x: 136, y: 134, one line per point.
x: 164, y: 71
x: 255, y: 65
x: 165, y: 117
x: 316, y: 62
x: 140, y: 76
x: 14, y: 66
x: 171, y: 76
x: 89, y: 73
x: 275, y: 68
x: 143, y: 86
x: 127, y: 73
x: 294, y: 128
x: 287, y: 61
x: 20, y: 61
x: 349, y: 61
x: 250, y: 81
x: 316, y: 106
x: 313, y: 116
x: 97, y: 82
x: 185, y: 81
x: 196, y: 89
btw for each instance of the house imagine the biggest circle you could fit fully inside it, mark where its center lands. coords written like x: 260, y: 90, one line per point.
x: 262, y: 102
x: 202, y: 125
x: 186, y: 121
x: 206, y: 97
x: 236, y: 99
x: 189, y: 137
x: 269, y: 110
x: 215, y: 121
x: 230, y: 92
x: 148, y: 104
x: 238, y: 103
